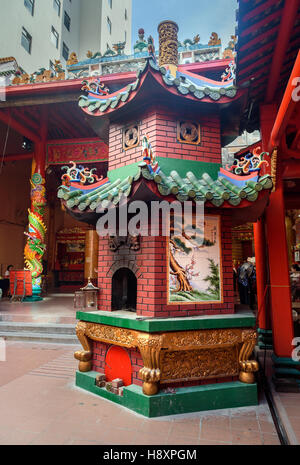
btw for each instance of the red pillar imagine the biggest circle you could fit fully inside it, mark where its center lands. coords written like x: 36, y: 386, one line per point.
x: 261, y: 279
x: 267, y: 118
x: 281, y: 305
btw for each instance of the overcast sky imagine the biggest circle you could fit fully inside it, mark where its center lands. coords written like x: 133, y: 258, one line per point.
x: 192, y: 16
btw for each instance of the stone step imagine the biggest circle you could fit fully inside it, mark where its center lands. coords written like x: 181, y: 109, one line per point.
x: 45, y: 328
x: 32, y: 336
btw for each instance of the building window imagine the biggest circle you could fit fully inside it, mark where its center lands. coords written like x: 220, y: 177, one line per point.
x: 29, y: 5
x: 56, y: 6
x: 109, y: 26
x: 67, y: 21
x: 110, y: 3
x: 126, y: 15
x: 26, y: 40
x: 52, y: 67
x: 65, y: 52
x: 54, y: 37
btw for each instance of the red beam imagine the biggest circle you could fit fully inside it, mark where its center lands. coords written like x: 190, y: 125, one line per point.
x: 286, y: 108
x: 7, y: 119
x: 284, y: 34
x: 19, y: 157
x: 256, y: 11
x: 254, y: 27
x: 62, y: 123
x: 259, y: 39
x: 255, y: 65
x: 24, y: 119
x: 69, y: 85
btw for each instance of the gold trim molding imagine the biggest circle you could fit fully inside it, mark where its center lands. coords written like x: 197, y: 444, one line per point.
x: 176, y: 355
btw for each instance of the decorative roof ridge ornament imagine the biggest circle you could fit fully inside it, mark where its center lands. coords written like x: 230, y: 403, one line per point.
x: 214, y: 39
x: 229, y: 73
x: 151, y: 48
x: 92, y: 55
x: 119, y: 48
x: 79, y: 174
x: 250, y: 163
x: 95, y: 87
x: 73, y: 60
x: 109, y: 52
x: 141, y: 45
x: 149, y: 157
x: 229, y: 52
x: 42, y: 75
x: 189, y: 42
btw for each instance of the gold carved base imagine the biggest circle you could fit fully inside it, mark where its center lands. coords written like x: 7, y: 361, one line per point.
x: 177, y: 356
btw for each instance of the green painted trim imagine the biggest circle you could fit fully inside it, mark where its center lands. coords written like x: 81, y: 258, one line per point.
x: 198, y: 168
x: 284, y: 361
x: 167, y: 165
x: 87, y: 381
x: 267, y: 332
x: 237, y: 320
x: 265, y: 339
x: 185, y: 400
x: 123, y: 172
x: 284, y: 372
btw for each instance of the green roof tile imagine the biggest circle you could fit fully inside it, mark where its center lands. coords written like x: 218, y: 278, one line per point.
x: 184, y: 187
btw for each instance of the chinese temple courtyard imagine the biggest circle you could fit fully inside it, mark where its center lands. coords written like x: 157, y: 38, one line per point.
x: 40, y: 405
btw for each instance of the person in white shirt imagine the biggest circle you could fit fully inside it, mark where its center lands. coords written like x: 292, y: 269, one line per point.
x: 6, y: 274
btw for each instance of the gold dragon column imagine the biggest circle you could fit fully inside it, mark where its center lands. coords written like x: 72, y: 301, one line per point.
x: 35, y: 246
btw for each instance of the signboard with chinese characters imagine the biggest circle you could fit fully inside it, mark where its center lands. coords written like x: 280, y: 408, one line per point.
x: 79, y: 151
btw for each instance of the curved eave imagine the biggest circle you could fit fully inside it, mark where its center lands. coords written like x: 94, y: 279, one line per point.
x: 246, y: 211
x: 154, y: 81
x: 145, y: 186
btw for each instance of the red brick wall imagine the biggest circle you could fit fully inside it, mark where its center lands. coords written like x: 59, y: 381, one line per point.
x: 150, y: 267
x: 161, y: 127
x: 99, y: 353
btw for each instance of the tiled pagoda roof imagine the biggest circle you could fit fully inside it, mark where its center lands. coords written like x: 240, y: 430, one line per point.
x: 190, y: 187
x: 192, y: 86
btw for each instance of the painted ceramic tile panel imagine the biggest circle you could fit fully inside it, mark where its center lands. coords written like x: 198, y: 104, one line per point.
x: 195, y: 270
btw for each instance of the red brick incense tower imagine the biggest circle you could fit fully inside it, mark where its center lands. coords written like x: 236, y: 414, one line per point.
x: 166, y: 323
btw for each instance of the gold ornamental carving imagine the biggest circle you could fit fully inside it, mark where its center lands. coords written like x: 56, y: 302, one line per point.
x: 168, y: 43
x: 176, y: 355
x: 199, y: 364
x: 111, y: 334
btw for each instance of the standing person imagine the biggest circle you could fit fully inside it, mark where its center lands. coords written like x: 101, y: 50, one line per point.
x: 295, y: 282
x: 5, y: 281
x: 252, y: 284
x: 245, y: 272
x: 7, y: 272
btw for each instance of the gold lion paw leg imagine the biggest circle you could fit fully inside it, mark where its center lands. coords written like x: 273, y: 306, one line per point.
x: 85, y: 360
x: 151, y: 377
x: 248, y: 368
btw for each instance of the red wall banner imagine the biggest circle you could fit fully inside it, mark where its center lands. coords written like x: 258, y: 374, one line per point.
x: 79, y: 151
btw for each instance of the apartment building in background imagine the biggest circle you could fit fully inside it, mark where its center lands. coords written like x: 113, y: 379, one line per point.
x: 38, y: 32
